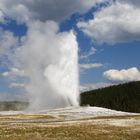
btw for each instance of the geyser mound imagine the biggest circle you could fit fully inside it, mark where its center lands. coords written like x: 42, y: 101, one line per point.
x: 49, y: 59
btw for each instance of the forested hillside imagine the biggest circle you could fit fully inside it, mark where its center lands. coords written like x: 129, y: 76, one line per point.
x: 123, y: 97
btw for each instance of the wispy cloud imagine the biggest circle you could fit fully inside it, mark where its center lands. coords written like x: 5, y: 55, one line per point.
x: 90, y: 66
x: 14, y: 72
x: 92, y: 86
x: 91, y: 52
x: 7, y: 40
x: 17, y: 85
x: 2, y: 20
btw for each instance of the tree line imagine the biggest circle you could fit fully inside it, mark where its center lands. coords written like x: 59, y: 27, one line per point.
x: 123, y: 97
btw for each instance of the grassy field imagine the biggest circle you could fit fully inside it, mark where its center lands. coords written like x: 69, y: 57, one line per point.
x: 46, y: 127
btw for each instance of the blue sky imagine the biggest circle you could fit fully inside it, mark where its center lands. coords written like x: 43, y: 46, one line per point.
x: 107, y: 35
x: 113, y: 56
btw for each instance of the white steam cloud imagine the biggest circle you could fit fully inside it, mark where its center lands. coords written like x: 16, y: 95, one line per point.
x: 48, y: 58
x: 50, y: 61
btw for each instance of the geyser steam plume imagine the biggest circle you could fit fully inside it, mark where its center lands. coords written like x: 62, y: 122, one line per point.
x: 50, y: 62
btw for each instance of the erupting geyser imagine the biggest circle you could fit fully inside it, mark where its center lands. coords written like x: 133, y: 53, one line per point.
x: 49, y: 59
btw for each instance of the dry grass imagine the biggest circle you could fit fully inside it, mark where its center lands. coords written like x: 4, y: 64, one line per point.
x: 23, y: 116
x: 43, y: 129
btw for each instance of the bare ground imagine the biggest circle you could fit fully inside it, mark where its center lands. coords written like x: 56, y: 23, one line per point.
x: 47, y: 127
